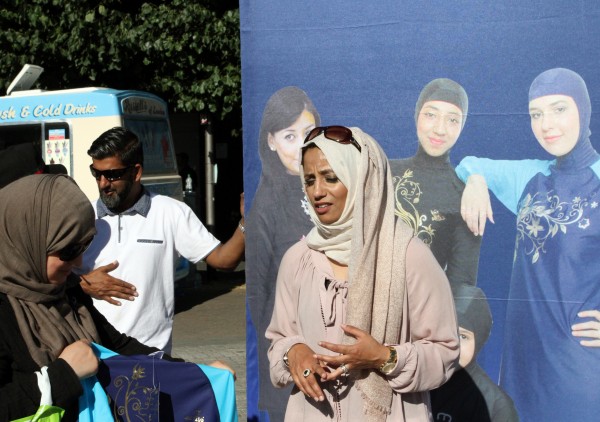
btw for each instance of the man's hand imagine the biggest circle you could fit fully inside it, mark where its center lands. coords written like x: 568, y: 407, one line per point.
x: 101, y: 285
x: 242, y: 204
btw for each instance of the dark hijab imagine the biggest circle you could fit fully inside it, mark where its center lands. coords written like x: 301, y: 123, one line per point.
x: 560, y: 81
x: 40, y: 215
x: 473, y: 313
x: 441, y: 89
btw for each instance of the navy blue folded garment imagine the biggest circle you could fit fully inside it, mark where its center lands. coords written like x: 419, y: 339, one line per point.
x: 147, y: 388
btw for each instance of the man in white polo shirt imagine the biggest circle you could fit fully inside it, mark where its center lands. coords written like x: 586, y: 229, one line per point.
x: 140, y: 236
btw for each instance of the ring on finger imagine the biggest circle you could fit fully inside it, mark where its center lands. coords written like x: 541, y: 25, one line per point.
x: 306, y: 373
x: 344, y: 369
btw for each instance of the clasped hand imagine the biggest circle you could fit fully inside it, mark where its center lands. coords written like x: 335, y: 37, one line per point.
x: 365, y: 353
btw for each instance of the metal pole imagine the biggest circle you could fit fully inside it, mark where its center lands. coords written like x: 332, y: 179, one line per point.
x: 209, y: 177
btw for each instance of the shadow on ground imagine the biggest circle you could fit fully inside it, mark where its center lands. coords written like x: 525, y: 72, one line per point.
x: 205, y: 285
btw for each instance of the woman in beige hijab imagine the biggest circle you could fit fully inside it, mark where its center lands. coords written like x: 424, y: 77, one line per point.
x: 364, y: 322
x: 46, y: 223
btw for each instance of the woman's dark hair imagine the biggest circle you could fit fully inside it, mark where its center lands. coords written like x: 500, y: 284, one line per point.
x: 283, y: 109
x: 303, y: 151
x: 118, y: 142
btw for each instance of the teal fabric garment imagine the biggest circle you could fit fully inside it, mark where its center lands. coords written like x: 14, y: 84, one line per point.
x: 94, y: 406
x: 506, y: 178
x: 223, y: 385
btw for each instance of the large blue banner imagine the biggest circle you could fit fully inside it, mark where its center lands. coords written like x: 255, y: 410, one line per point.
x: 365, y: 64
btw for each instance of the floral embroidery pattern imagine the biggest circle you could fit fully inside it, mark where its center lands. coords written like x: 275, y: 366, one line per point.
x: 407, y: 194
x: 437, y: 216
x: 304, y: 204
x: 140, y: 401
x: 543, y: 216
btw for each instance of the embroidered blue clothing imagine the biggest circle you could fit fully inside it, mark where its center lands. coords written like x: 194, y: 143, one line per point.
x: 545, y: 369
x: 137, y: 384
x: 549, y: 375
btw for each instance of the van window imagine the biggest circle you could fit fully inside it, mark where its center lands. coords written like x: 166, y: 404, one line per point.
x: 19, y: 134
x: 155, y: 136
x: 19, y: 152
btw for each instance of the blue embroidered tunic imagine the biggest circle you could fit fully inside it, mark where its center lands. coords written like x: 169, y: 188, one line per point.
x: 556, y: 273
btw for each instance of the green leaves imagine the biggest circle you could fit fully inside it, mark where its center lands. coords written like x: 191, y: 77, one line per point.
x: 187, y: 52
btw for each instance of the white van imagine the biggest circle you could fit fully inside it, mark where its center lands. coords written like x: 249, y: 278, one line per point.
x: 63, y: 124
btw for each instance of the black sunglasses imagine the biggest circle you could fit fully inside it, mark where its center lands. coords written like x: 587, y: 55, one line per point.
x: 72, y: 251
x: 340, y: 134
x: 110, y: 175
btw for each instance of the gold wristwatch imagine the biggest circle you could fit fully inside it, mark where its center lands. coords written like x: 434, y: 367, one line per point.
x: 388, y: 366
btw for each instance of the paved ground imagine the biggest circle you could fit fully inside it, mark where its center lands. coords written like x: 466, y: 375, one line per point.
x: 210, y: 324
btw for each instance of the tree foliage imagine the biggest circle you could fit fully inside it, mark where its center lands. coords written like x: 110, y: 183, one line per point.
x: 185, y: 51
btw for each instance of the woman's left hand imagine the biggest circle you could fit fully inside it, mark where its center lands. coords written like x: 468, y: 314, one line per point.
x: 366, y: 353
x: 589, y: 329
x: 475, y: 204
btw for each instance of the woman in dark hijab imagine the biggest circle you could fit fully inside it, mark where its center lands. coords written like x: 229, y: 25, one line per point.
x: 470, y: 394
x: 427, y: 190
x: 46, y: 223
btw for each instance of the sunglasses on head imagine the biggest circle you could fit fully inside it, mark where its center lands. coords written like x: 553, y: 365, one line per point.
x: 339, y: 134
x: 110, y: 175
x: 72, y: 251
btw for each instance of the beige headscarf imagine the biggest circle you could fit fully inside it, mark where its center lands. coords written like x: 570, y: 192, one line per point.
x: 334, y: 239
x: 375, y: 245
x: 39, y: 215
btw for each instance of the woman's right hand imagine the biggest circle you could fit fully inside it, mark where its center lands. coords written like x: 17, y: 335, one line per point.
x: 589, y: 330
x: 81, y: 358
x: 475, y: 204
x: 301, y: 358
